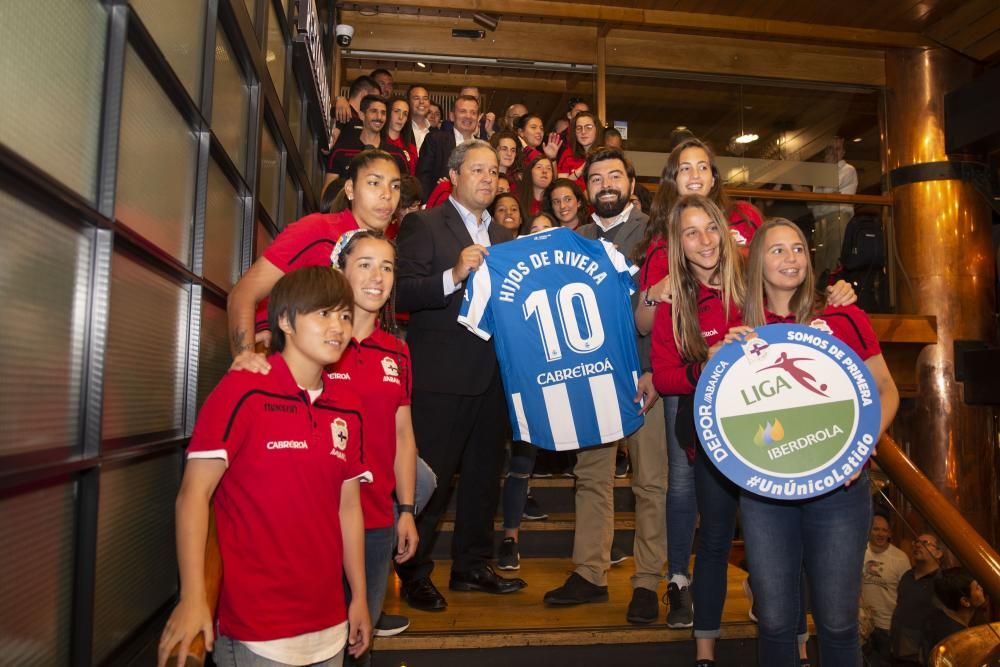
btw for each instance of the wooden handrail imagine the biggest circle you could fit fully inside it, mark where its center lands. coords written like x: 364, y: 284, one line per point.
x: 969, y: 547
x: 213, y: 582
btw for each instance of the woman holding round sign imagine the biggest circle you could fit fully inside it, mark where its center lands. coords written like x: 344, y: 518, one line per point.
x: 820, y: 529
x: 706, y: 280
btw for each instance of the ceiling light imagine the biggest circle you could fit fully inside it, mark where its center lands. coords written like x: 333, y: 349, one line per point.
x: 748, y: 138
x: 681, y: 128
x: 421, y: 65
x: 856, y: 140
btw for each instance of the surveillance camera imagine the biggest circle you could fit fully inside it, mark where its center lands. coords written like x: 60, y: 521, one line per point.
x: 344, y: 34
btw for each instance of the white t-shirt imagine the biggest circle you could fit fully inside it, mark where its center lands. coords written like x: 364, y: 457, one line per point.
x: 847, y: 184
x: 306, y: 649
x: 880, y: 578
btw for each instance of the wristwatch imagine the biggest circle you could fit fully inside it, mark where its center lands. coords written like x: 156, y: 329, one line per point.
x: 646, y: 300
x: 405, y: 508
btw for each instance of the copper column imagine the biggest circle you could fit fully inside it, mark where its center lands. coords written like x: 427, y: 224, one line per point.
x: 942, y: 230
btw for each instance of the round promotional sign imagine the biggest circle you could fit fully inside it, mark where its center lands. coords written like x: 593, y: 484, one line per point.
x: 789, y: 414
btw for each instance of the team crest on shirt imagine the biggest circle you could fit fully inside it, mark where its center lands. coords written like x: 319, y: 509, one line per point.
x: 338, y: 429
x: 821, y: 325
x: 390, y: 369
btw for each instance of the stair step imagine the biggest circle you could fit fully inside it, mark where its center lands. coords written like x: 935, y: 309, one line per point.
x: 481, y: 620
x: 557, y: 521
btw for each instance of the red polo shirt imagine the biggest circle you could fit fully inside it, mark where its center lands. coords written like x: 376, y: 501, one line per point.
x: 656, y: 265
x: 378, y: 371
x: 744, y: 221
x: 848, y: 323
x: 672, y: 374
x: 309, y: 240
x: 277, y: 505
x: 569, y: 162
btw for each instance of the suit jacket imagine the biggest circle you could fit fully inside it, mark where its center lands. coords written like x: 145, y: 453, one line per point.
x: 628, y: 236
x: 433, y: 161
x: 446, y: 357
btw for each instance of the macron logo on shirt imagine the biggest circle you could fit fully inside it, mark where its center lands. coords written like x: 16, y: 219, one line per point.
x: 339, y: 376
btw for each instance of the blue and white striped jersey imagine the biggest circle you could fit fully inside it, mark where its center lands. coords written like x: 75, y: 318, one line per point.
x: 558, y: 308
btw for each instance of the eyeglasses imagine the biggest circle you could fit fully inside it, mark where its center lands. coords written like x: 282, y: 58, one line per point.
x: 585, y: 128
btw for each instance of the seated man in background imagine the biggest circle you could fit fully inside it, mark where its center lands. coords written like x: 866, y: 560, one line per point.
x: 958, y: 597
x: 885, y: 565
x: 915, y: 600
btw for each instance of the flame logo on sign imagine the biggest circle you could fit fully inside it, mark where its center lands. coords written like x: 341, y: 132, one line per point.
x: 769, y: 434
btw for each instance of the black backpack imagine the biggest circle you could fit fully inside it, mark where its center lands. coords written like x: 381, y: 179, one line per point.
x: 864, y: 244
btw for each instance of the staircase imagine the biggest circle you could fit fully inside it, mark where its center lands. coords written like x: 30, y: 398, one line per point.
x: 518, y: 629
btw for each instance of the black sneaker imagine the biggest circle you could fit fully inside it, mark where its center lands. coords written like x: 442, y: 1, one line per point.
x: 644, y: 607
x: 390, y: 625
x: 532, y: 512
x: 681, y: 614
x: 507, y: 557
x: 618, y: 556
x: 621, y: 464
x: 576, y: 590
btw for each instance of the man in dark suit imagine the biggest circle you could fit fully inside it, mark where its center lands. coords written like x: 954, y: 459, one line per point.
x: 610, y: 181
x: 432, y: 165
x: 459, y: 411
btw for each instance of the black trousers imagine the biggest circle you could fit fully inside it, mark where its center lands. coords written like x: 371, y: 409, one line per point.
x: 464, y: 435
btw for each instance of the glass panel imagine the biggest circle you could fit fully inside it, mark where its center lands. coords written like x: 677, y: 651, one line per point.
x: 262, y: 239
x: 145, y: 368
x: 275, y: 51
x: 36, y: 584
x: 156, y: 164
x: 269, y: 173
x: 308, y: 148
x: 294, y: 111
x: 230, y: 102
x: 251, y: 9
x: 45, y: 281
x: 178, y: 28
x: 50, y: 111
x: 223, y: 229
x: 213, y: 355
x: 291, y: 202
x: 762, y: 134
x: 136, y: 561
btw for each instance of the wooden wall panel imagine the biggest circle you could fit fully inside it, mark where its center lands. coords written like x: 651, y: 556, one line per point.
x: 742, y: 57
x: 412, y: 34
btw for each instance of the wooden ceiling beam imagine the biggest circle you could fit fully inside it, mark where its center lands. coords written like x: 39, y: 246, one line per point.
x: 673, y: 20
x: 404, y: 78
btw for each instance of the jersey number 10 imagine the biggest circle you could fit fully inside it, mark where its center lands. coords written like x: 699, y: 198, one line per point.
x: 579, y: 318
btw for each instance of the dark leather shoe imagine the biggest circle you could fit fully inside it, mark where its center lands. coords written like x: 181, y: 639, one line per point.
x: 423, y: 595
x: 576, y: 590
x: 484, y: 579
